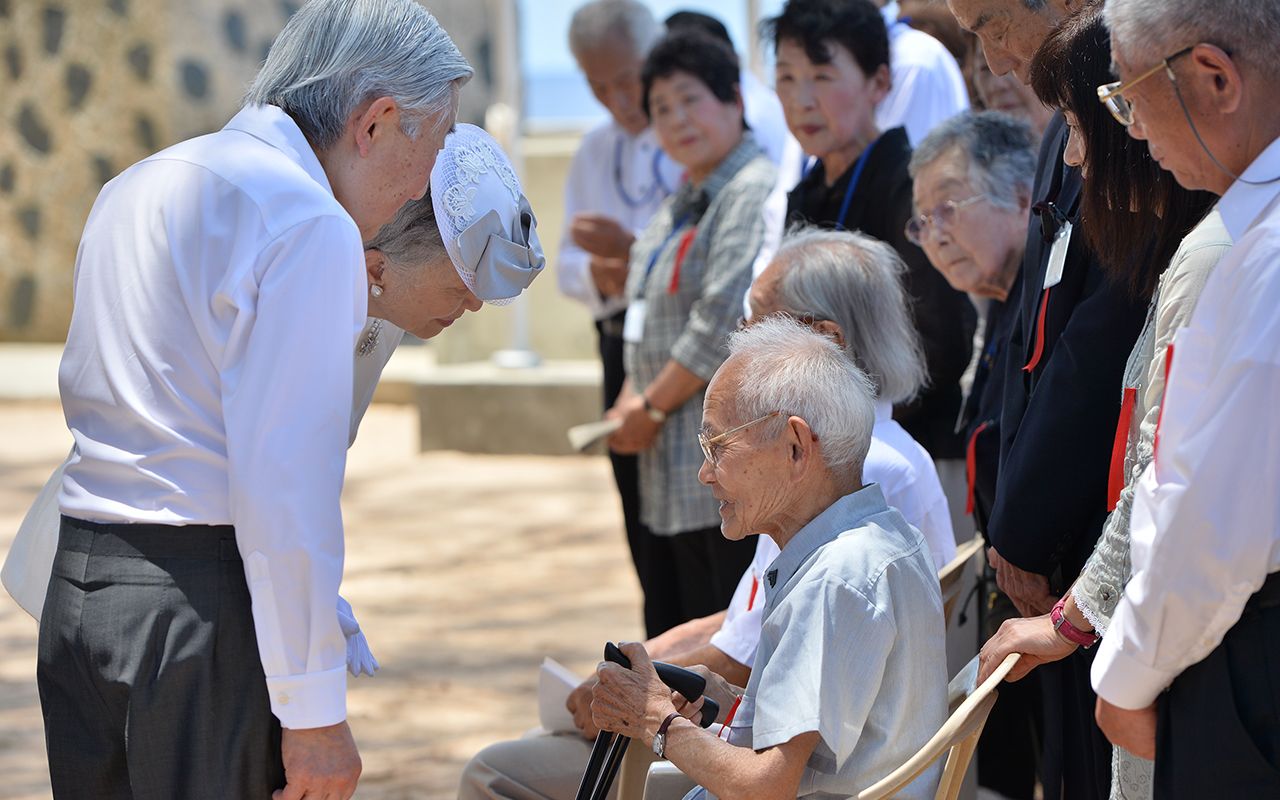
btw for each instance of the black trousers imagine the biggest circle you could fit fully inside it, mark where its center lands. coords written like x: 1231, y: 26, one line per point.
x: 149, y: 675
x: 1077, y: 756
x: 1218, y: 725
x: 650, y: 554
x: 1010, y: 748
x: 706, y: 568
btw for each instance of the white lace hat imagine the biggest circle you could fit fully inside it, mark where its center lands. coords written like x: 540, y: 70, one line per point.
x: 497, y: 252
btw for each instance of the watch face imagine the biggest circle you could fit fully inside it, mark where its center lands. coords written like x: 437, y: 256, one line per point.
x: 659, y: 744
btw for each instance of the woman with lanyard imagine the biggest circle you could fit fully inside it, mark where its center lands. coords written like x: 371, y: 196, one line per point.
x: 832, y: 71
x: 689, y: 270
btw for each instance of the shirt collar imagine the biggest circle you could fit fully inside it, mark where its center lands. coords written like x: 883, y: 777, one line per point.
x: 890, y: 13
x: 843, y: 515
x: 884, y: 411
x: 1243, y: 204
x: 695, y: 199
x: 273, y: 126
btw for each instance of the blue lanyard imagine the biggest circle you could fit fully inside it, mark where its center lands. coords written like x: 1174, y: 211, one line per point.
x: 653, y: 259
x: 656, y: 189
x: 853, y: 184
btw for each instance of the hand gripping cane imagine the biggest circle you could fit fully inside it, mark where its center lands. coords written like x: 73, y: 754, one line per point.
x: 607, y: 752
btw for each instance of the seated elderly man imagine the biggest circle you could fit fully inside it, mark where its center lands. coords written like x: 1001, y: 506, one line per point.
x: 849, y: 286
x: 850, y: 678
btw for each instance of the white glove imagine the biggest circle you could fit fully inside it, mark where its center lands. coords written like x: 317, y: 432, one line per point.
x: 359, y: 658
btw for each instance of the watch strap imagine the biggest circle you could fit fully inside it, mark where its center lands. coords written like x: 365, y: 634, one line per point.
x: 1068, y: 631
x: 660, y: 738
x: 656, y: 414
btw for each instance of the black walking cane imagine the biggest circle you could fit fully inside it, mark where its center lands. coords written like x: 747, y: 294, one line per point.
x: 607, y: 752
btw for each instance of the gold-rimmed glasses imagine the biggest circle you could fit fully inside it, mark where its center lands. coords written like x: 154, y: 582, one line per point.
x: 1112, y: 96
x: 708, y: 443
x: 918, y: 226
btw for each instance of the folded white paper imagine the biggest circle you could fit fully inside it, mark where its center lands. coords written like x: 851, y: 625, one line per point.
x: 555, y: 682
x: 583, y: 436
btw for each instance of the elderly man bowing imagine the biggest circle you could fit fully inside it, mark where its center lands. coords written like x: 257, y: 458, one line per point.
x: 850, y: 676
x: 207, y: 382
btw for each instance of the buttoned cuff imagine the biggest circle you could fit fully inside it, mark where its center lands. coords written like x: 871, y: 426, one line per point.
x: 312, y: 700
x: 1122, y: 680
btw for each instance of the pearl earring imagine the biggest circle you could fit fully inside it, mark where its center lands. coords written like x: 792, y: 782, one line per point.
x: 375, y: 290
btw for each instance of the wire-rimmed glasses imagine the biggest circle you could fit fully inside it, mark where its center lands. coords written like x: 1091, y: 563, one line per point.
x: 917, y: 228
x: 709, y: 444
x: 1112, y: 96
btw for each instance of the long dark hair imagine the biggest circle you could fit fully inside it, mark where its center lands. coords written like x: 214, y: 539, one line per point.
x: 1135, y: 214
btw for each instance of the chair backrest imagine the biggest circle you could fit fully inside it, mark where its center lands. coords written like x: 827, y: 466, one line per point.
x: 949, y: 576
x: 957, y: 738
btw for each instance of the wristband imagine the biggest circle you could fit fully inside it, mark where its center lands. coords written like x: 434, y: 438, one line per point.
x: 1068, y: 631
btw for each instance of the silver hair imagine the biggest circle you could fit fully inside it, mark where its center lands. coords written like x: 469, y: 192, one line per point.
x: 334, y: 55
x: 785, y: 366
x: 1247, y: 29
x: 855, y: 281
x: 412, y: 239
x: 601, y: 21
x: 999, y: 149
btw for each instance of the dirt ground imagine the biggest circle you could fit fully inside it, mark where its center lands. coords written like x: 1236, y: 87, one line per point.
x: 464, y: 571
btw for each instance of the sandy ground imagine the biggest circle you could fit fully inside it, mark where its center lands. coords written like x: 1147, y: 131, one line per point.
x: 464, y: 571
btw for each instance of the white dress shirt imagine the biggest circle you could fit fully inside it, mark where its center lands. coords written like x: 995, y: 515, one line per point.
x: 928, y: 87
x: 207, y: 376
x: 1205, y: 531
x: 906, y: 476
x: 621, y: 176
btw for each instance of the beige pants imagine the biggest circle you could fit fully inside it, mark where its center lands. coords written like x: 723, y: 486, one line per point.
x: 538, y: 766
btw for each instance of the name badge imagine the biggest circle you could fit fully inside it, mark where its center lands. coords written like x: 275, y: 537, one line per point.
x: 633, y: 323
x: 1058, y: 256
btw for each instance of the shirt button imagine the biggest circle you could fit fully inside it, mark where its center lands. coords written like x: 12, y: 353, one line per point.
x: 283, y: 698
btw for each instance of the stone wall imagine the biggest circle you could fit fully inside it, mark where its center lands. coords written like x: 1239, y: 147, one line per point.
x: 88, y: 87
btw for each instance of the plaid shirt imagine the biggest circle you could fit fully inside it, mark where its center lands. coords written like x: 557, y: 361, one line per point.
x: 688, y: 315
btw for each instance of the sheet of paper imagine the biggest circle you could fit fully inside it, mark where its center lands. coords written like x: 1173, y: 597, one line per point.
x: 583, y: 436
x: 555, y: 682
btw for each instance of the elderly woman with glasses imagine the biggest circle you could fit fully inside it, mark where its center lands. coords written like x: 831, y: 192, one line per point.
x: 1129, y: 199
x: 850, y: 676
x: 972, y: 183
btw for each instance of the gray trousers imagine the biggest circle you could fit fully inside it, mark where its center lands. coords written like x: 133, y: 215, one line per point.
x: 149, y: 675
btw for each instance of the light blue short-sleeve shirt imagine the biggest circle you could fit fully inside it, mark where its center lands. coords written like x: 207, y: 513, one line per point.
x: 853, y: 647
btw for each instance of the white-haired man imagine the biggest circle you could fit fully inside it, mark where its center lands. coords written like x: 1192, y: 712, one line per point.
x: 849, y: 286
x: 850, y: 677
x: 1187, y: 670
x: 189, y: 643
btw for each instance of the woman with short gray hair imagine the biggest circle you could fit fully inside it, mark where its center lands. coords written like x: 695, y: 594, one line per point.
x: 972, y: 192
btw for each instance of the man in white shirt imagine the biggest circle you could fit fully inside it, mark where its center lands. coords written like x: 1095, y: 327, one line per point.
x: 1187, y: 670
x: 190, y: 645
x: 617, y: 180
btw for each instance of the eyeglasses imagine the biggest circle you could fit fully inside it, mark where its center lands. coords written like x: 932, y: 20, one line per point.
x: 918, y: 226
x: 1112, y: 96
x: 710, y: 445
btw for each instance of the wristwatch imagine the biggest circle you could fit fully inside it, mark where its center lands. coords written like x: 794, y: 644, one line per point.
x: 660, y: 738
x: 656, y: 414
x: 1068, y: 631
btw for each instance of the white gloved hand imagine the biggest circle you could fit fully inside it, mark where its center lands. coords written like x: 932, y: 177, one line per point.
x: 359, y: 658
